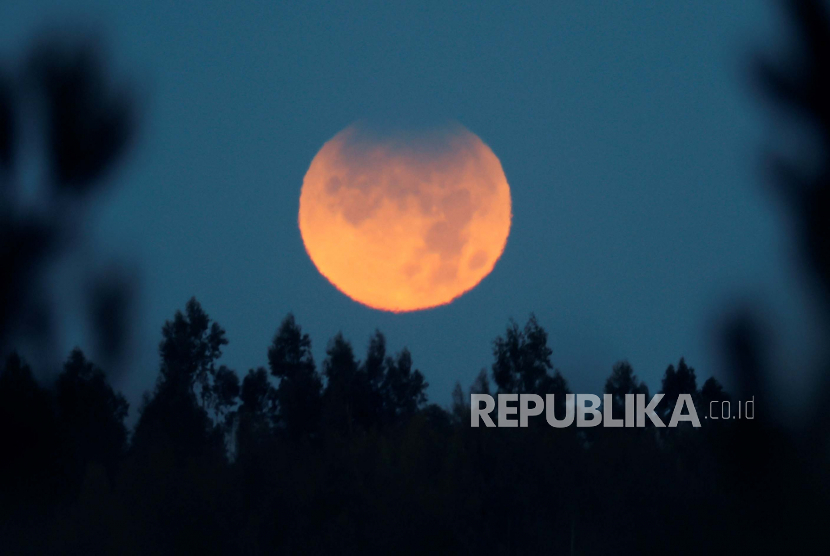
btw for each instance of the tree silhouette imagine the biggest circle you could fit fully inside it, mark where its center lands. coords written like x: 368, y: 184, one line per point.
x: 90, y: 416
x: 522, y: 364
x: 403, y: 389
x: 481, y: 385
x: 256, y: 414
x: 459, y: 408
x: 712, y: 391
x: 28, y: 421
x: 176, y: 417
x: 346, y: 397
x: 374, y: 368
x: 621, y: 383
x: 299, y: 391
x: 31, y: 477
x: 522, y: 358
x: 189, y: 349
x: 224, y: 393
x: 675, y: 382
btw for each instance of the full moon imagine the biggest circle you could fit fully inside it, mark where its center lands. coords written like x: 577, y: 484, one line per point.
x: 406, y: 222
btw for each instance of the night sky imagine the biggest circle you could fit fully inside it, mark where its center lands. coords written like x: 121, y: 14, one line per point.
x: 629, y: 133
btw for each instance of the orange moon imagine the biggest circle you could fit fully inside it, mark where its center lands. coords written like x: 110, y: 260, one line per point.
x: 405, y: 223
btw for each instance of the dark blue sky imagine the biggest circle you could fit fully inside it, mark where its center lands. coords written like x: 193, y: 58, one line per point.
x: 627, y: 130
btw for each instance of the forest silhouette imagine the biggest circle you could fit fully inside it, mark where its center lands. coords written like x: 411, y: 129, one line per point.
x: 347, y: 455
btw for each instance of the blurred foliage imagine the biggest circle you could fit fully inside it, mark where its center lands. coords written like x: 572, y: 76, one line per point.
x: 87, y: 127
